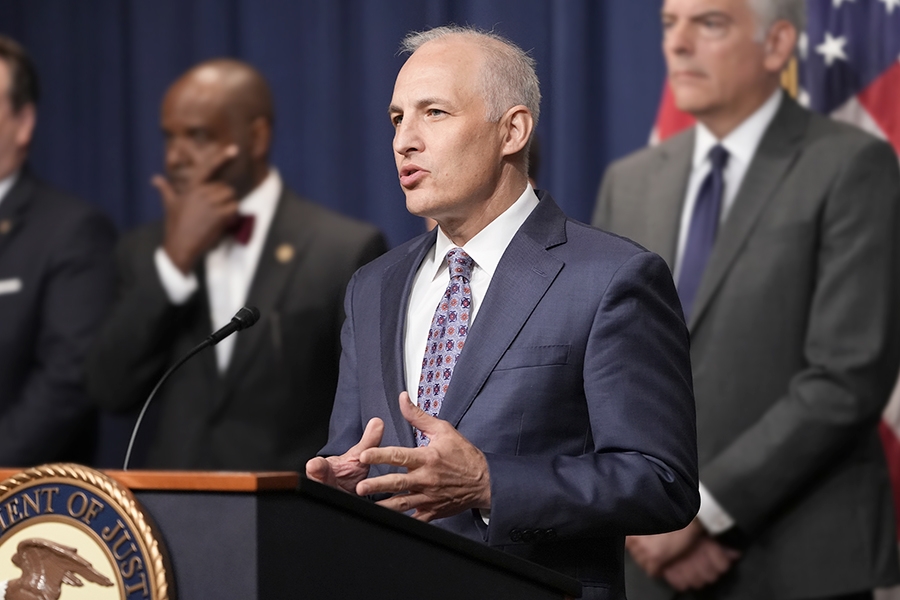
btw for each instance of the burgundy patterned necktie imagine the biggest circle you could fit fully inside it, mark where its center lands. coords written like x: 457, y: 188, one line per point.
x: 446, y: 337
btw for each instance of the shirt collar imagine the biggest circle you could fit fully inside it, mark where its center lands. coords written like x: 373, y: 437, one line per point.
x: 489, y: 244
x: 743, y: 141
x: 7, y: 184
x: 264, y: 197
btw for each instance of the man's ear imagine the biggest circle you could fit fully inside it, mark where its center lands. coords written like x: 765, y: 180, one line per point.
x: 516, y: 127
x: 25, y: 119
x: 260, y: 137
x: 779, y: 45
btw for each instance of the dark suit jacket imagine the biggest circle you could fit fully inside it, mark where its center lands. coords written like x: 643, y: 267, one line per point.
x: 794, y: 345
x: 574, y: 382
x: 270, y: 409
x: 59, y: 252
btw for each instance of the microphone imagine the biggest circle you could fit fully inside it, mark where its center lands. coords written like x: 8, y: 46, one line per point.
x: 244, y: 318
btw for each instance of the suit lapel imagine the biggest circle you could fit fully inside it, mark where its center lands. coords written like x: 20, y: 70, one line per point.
x: 668, y: 186
x: 777, y: 152
x: 289, y: 227
x: 14, y: 207
x: 524, y: 274
x: 396, y: 285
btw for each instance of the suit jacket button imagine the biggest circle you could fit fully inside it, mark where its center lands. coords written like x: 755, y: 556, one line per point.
x: 528, y: 536
x: 515, y: 535
x: 551, y: 534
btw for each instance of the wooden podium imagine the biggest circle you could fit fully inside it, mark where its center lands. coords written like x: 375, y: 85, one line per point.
x: 274, y: 535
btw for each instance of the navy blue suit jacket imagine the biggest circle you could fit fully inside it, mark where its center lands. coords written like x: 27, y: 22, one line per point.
x: 575, y: 382
x: 59, y: 252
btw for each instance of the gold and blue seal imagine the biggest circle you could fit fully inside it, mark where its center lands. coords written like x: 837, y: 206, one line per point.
x: 70, y: 532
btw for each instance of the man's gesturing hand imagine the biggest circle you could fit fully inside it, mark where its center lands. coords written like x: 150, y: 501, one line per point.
x: 346, y: 471
x: 444, y: 478
x: 198, y: 210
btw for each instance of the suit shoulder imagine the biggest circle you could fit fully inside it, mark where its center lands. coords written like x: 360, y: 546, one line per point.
x: 62, y: 217
x: 63, y: 206
x: 344, y: 229
x: 598, y: 243
x: 640, y: 160
x: 831, y: 135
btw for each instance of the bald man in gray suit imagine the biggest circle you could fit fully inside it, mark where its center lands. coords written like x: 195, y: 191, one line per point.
x: 780, y: 227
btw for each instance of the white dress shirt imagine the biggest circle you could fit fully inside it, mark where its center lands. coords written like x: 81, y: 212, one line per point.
x: 486, y: 249
x: 741, y: 145
x: 7, y: 183
x: 229, y: 266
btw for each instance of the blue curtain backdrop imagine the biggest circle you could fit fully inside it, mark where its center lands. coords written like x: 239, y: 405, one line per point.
x: 105, y: 64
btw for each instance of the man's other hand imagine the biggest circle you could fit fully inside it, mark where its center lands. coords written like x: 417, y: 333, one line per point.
x: 346, y: 471
x: 444, y: 478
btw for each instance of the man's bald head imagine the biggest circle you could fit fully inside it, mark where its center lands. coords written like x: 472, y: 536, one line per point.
x: 216, y: 104
x: 245, y: 92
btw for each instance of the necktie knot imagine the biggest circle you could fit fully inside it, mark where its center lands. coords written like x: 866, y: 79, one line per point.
x: 718, y: 156
x: 241, y: 228
x: 460, y: 263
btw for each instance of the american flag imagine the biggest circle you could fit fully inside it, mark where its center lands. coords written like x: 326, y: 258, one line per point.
x: 848, y: 68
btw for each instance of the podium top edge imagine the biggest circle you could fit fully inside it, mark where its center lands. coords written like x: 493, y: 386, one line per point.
x: 195, y: 481
x: 210, y: 481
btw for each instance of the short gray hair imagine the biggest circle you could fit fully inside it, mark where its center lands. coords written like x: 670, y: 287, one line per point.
x: 769, y: 11
x: 508, y: 77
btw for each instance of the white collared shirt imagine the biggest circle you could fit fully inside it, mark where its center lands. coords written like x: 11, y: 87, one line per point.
x: 741, y: 145
x: 229, y: 266
x: 486, y: 249
x: 7, y: 184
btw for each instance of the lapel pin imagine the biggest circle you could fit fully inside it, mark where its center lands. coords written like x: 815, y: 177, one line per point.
x: 5, y: 226
x: 284, y: 253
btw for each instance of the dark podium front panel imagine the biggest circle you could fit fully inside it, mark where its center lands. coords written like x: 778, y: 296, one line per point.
x: 316, y: 542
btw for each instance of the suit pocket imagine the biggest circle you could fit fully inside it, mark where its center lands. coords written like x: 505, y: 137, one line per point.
x: 519, y: 357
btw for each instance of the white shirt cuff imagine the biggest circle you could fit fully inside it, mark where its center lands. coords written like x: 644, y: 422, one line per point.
x: 713, y: 517
x: 179, y: 287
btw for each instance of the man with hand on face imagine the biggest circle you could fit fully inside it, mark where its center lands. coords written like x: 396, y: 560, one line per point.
x: 781, y: 230
x: 544, y: 407
x: 56, y: 286
x: 233, y: 235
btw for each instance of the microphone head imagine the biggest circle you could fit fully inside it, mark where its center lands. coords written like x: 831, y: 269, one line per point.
x: 246, y: 317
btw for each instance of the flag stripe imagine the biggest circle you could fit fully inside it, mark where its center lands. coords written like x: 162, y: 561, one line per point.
x: 881, y: 100
x: 892, y: 452
x: 670, y: 120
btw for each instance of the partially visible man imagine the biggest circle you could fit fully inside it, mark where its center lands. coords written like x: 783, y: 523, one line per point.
x: 56, y: 286
x: 780, y: 227
x: 553, y: 411
x: 233, y: 235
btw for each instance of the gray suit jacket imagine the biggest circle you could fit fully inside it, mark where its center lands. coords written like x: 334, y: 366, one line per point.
x: 270, y: 409
x: 794, y: 347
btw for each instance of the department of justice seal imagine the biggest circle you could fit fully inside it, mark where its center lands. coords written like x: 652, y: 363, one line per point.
x: 72, y: 533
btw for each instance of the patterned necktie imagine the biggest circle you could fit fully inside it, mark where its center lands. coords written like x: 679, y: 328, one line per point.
x: 446, y: 337
x: 702, y: 232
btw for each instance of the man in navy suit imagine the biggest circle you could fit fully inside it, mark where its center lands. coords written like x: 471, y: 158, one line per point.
x: 561, y: 418
x: 56, y: 286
